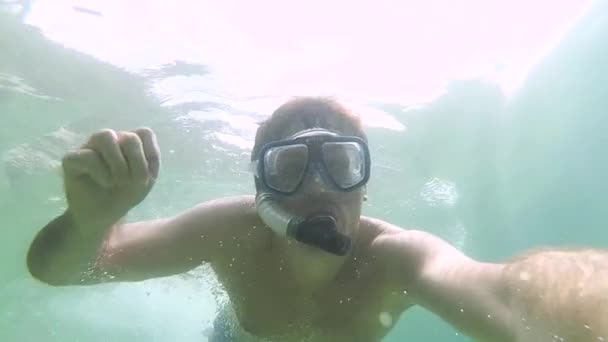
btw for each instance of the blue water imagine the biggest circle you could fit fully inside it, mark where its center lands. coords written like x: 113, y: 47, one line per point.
x: 494, y: 167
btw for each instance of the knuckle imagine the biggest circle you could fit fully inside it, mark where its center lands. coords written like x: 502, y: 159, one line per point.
x: 70, y: 158
x: 130, y: 140
x: 67, y: 160
x: 147, y: 136
x: 103, y: 136
x: 75, y: 160
x: 144, y: 131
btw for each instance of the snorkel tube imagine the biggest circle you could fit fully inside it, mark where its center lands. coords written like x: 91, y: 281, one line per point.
x: 319, y: 230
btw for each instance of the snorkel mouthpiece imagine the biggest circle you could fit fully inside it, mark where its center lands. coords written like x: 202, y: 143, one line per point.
x: 319, y: 231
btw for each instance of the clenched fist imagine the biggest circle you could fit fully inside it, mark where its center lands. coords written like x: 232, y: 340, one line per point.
x: 110, y: 174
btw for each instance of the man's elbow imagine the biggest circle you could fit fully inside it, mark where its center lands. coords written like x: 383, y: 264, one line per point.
x: 37, y: 266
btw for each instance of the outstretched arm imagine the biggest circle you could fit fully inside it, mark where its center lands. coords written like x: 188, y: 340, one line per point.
x: 561, y: 293
x: 547, y: 295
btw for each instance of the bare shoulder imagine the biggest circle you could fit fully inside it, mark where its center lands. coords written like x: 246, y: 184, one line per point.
x: 388, y: 237
x: 378, y: 225
x: 240, y: 203
x: 387, y: 253
x: 381, y: 239
x: 223, y: 224
x: 379, y: 233
x: 225, y: 211
x: 403, y: 252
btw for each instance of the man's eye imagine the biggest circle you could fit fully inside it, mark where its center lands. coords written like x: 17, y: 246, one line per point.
x: 290, y: 167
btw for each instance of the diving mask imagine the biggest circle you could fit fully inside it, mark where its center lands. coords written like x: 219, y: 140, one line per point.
x: 343, y: 162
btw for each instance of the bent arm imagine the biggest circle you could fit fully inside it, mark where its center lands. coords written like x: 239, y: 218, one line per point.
x: 63, y: 254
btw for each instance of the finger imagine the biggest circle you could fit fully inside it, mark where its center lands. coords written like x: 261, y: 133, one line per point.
x: 151, y: 150
x: 105, y: 142
x: 86, y: 162
x: 132, y: 149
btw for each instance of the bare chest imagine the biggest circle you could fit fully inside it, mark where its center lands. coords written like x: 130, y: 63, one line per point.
x: 359, y: 307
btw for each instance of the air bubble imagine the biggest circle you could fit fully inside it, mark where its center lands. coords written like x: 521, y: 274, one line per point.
x: 385, y: 319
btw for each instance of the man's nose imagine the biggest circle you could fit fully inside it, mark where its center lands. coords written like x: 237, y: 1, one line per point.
x: 314, y: 183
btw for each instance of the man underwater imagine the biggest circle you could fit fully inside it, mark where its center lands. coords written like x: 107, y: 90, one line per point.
x: 297, y: 260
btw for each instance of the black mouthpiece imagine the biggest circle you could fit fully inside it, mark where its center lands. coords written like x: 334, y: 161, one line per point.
x: 321, y: 232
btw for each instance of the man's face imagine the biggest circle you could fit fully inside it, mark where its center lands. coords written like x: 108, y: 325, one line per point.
x: 317, y: 173
x: 314, y: 197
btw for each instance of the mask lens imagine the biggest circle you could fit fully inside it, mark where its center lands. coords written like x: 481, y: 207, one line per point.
x: 345, y: 163
x: 284, y: 166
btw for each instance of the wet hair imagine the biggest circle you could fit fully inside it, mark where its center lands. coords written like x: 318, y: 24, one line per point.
x: 303, y: 113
